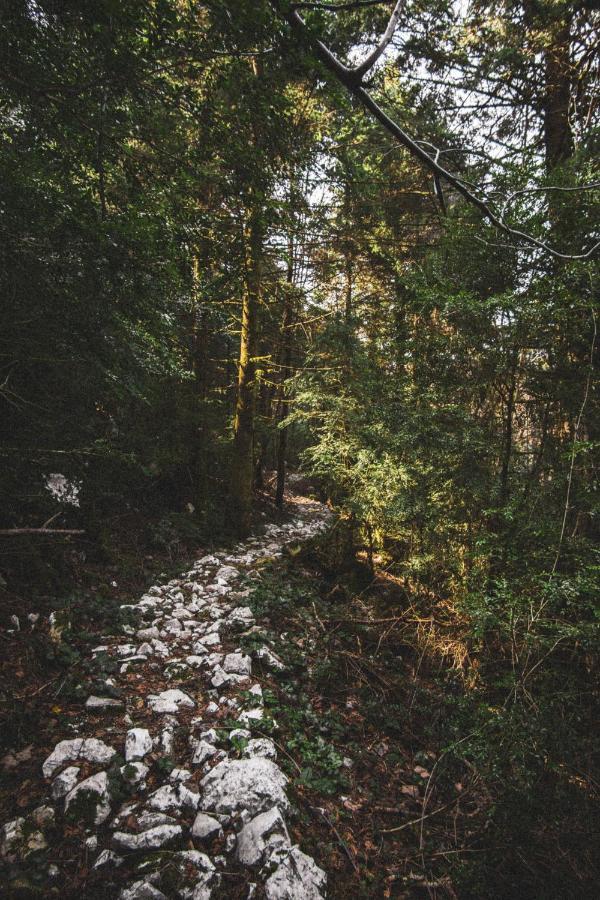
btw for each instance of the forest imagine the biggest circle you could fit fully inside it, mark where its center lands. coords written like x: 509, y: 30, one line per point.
x: 299, y: 449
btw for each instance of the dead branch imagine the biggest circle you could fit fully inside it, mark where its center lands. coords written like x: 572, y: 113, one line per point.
x: 10, y: 532
x: 351, y: 78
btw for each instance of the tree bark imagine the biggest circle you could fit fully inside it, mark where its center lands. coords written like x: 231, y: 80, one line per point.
x: 558, y: 137
x: 242, y: 470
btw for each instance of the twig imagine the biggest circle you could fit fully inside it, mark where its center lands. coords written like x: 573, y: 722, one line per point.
x: 342, y: 843
x: 417, y: 821
x: 9, y: 532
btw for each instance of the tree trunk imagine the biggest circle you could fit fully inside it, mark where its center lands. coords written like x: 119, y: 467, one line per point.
x: 286, y: 362
x: 200, y: 339
x: 242, y: 469
x: 558, y: 137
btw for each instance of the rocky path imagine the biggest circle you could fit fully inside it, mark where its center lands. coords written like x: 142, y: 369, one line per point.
x: 167, y: 771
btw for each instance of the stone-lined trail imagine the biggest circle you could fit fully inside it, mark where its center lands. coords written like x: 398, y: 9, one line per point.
x: 173, y: 787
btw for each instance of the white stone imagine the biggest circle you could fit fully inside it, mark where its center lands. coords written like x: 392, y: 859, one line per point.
x: 149, y: 819
x: 164, y: 742
x: 206, y: 828
x: 95, y: 784
x: 257, y: 840
x: 202, y: 751
x: 153, y: 839
x: 219, y: 677
x: 270, y: 659
x: 135, y: 772
x: 173, y: 797
x: 240, y: 617
x: 227, y: 573
x: 179, y: 775
x: 141, y: 890
x: 252, y: 784
x: 65, y: 782
x: 12, y: 836
x: 146, y: 634
x: 90, y: 749
x: 195, y: 662
x: 214, y: 659
x: 169, y: 701
x: 263, y: 747
x: 250, y: 715
x: 107, y: 857
x: 238, y: 664
x: 138, y: 743
x: 297, y: 878
x: 100, y: 704
x: 212, y: 639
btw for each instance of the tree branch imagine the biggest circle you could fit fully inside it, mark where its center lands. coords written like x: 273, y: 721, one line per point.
x: 339, y: 7
x: 347, y: 76
x: 372, y: 58
x: 9, y: 532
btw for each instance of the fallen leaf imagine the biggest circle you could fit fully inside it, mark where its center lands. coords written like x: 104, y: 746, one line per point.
x: 411, y: 790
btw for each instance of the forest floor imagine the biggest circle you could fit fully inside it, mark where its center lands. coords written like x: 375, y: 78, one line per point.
x: 352, y: 705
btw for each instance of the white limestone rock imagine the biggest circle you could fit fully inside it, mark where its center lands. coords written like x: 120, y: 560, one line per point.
x: 263, y: 747
x: 270, y: 659
x: 212, y: 639
x: 141, y: 890
x: 65, y: 782
x: 170, y: 701
x: 173, y: 797
x: 96, y: 788
x: 103, y: 704
x: 152, y: 839
x: 255, y: 785
x: 260, y: 837
x: 147, y: 820
x: 164, y: 742
x: 202, y: 751
x: 195, y: 661
x: 206, y: 828
x: 227, y: 573
x: 146, y: 634
x: 179, y: 776
x: 12, y: 836
x: 108, y: 858
x: 90, y: 749
x: 220, y: 677
x: 241, y: 617
x: 135, y: 772
x: 296, y: 878
x: 138, y: 744
x: 238, y: 664
x: 251, y: 715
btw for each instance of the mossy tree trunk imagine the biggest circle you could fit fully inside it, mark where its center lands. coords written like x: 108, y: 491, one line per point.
x: 242, y: 469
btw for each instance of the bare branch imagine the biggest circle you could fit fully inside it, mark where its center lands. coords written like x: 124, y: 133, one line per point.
x: 372, y: 58
x: 347, y: 76
x: 9, y: 532
x: 339, y: 7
